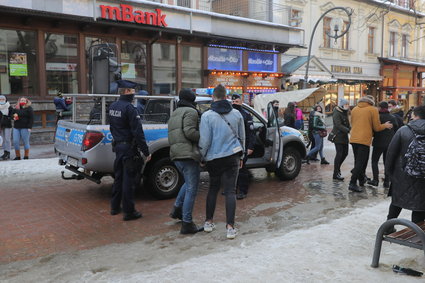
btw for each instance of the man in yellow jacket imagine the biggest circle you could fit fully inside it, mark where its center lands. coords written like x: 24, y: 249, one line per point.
x: 364, y: 121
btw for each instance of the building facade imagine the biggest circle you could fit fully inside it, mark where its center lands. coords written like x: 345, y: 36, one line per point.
x: 362, y: 62
x: 45, y: 47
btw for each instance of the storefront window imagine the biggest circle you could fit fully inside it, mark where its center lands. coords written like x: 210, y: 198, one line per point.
x: 191, y: 67
x: 95, y: 69
x: 352, y: 93
x: 164, y: 68
x: 61, y: 63
x: 331, y: 97
x: 133, y: 62
x: 18, y: 69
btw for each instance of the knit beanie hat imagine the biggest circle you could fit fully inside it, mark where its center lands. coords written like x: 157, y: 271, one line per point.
x: 187, y: 94
x: 343, y: 102
x: 368, y: 98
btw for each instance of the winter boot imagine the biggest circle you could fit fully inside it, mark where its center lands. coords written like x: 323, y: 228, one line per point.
x: 6, y: 155
x: 176, y: 213
x: 190, y: 228
x: 324, y: 161
x: 26, y: 154
x: 18, y: 155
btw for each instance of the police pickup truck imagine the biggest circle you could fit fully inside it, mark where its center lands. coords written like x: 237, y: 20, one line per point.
x: 86, y: 149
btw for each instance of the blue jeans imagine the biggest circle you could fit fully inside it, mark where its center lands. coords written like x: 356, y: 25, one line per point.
x: 318, y: 146
x: 19, y: 134
x: 186, y: 198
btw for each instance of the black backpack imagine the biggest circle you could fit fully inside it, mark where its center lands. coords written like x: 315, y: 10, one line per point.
x: 415, y: 156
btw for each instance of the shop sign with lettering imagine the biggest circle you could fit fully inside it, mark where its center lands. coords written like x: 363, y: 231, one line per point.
x: 127, y: 13
x: 224, y: 59
x: 346, y: 69
x: 262, y: 62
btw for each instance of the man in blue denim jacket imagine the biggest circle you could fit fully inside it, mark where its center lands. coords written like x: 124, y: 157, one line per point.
x: 222, y: 143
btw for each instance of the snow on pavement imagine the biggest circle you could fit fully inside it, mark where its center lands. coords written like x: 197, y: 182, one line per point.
x: 339, y: 251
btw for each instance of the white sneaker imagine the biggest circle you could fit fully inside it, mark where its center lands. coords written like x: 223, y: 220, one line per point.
x: 231, y: 233
x: 209, y: 226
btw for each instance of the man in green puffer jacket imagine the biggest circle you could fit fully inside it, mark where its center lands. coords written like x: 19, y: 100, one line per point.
x: 183, y: 136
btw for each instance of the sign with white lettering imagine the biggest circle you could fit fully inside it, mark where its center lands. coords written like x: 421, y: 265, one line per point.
x: 262, y: 62
x: 224, y: 59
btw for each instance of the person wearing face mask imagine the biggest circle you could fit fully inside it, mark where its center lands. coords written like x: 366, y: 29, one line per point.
x: 128, y: 139
x: 23, y: 117
x: 5, y: 126
x: 341, y: 130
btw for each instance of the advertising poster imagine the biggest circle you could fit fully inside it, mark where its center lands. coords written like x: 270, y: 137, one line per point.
x: 262, y: 62
x: 18, y: 64
x: 128, y: 71
x: 224, y: 59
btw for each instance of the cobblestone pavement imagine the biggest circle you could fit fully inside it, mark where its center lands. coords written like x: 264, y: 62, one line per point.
x: 42, y: 214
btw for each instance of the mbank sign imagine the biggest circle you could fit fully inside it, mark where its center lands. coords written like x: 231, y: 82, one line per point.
x: 126, y: 13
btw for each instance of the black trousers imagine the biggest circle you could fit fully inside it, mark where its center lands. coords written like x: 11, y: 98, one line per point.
x: 376, y: 154
x: 394, y: 212
x: 341, y: 153
x: 223, y: 172
x: 123, y: 187
x: 361, y: 157
x: 243, y: 178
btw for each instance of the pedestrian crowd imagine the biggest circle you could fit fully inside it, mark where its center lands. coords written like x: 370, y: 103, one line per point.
x: 16, y: 123
x: 401, y: 146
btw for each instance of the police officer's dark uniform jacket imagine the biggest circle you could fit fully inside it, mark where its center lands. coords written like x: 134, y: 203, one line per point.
x: 128, y: 138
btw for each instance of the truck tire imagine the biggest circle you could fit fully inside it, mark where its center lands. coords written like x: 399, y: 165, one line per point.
x: 291, y: 164
x: 164, y: 179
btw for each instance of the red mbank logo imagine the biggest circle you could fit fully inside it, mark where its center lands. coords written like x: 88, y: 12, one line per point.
x: 126, y: 13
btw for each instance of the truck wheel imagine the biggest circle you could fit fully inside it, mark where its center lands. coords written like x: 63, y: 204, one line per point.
x: 291, y: 164
x: 164, y: 179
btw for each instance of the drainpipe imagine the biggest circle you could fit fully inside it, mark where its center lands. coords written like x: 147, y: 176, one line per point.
x: 382, y: 33
x: 94, y: 10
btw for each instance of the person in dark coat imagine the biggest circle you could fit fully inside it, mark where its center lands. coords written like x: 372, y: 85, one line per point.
x: 341, y: 130
x: 289, y: 115
x: 396, y: 110
x: 23, y: 115
x: 406, y: 192
x: 381, y: 141
x: 243, y: 177
x: 128, y: 139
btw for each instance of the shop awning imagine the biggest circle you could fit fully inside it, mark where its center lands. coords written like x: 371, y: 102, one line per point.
x: 317, y: 70
x: 350, y: 77
x: 305, y: 98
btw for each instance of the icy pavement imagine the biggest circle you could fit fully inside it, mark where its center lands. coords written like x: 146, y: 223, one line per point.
x: 337, y: 251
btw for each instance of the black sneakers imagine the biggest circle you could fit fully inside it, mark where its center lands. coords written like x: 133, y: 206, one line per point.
x: 373, y: 183
x: 241, y: 196
x: 354, y: 188
x: 324, y: 161
x: 190, y: 228
x: 132, y: 216
x: 115, y: 211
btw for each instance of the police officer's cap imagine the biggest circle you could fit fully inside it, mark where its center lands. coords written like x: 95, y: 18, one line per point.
x: 126, y: 84
x: 235, y: 96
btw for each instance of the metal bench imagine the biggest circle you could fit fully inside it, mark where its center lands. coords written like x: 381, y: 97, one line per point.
x: 413, y: 236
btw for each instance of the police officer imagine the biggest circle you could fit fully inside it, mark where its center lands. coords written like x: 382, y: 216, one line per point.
x: 243, y: 177
x: 128, y: 138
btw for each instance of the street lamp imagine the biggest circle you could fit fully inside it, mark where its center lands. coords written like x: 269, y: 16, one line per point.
x: 337, y: 25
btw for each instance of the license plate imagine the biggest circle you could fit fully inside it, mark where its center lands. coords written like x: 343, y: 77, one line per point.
x: 72, y: 161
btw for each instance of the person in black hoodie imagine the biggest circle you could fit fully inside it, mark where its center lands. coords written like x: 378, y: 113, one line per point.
x: 381, y: 141
x: 5, y: 126
x: 23, y: 115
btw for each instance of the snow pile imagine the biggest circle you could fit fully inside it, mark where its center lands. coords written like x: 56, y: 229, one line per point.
x: 338, y: 251
x: 29, y: 170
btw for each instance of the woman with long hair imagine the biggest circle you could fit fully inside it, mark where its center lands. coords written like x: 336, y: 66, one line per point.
x: 23, y: 116
x: 318, y: 125
x: 289, y: 115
